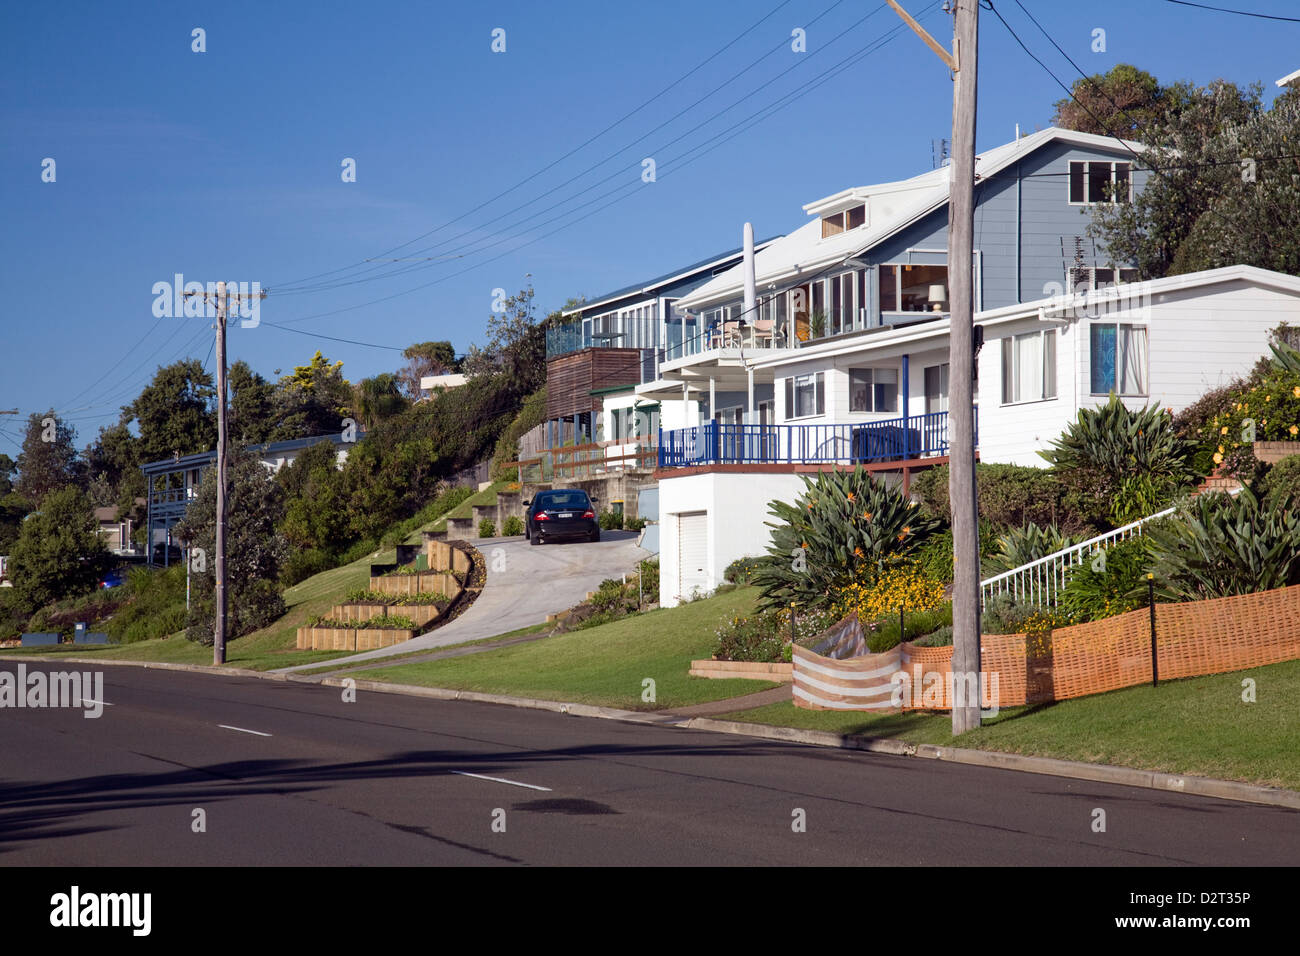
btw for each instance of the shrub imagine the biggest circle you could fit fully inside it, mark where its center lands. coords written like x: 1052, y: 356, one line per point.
x: 1109, y: 582
x: 883, y: 633
x: 742, y: 570
x: 845, y: 527
x: 1004, y: 615
x: 1021, y: 545
x: 940, y: 638
x: 1267, y: 411
x: 608, y: 596
x: 1281, y: 485
x: 758, y: 638
x: 649, y: 571
x: 1221, y: 545
x: 487, y: 528
x: 610, y: 521
x: 300, y: 565
x: 1009, y: 495
x: 513, y: 527
x: 634, y: 524
x: 1120, y: 465
x: 904, y: 585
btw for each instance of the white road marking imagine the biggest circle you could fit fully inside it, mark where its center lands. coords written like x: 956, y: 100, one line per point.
x: 513, y: 783
x: 243, y: 730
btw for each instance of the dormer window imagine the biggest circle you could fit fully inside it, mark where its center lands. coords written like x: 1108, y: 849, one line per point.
x: 851, y: 218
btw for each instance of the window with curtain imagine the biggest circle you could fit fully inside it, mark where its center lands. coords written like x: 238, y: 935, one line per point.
x: 873, y: 390
x: 1029, y: 367
x: 805, y: 395
x: 1117, y: 356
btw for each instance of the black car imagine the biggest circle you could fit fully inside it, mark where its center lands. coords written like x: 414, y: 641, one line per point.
x: 561, y: 513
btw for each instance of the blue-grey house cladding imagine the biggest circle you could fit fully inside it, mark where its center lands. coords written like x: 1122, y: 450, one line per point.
x: 1025, y: 229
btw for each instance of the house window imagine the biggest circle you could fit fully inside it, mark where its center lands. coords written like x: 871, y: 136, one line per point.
x: 1093, y: 182
x: 913, y: 288
x: 1089, y: 278
x: 1029, y: 367
x: 936, y: 389
x: 836, y: 223
x: 805, y: 395
x: 873, y: 390
x: 1118, y: 358
x: 843, y: 290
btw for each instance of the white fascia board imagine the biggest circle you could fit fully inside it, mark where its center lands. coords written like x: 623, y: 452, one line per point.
x: 1150, y: 287
x: 1289, y: 78
x: 867, y: 342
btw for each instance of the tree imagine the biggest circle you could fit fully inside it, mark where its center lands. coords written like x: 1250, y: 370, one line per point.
x: 58, y: 552
x: 314, y: 400
x: 174, y: 412
x: 1124, y: 101
x: 254, y: 550
x: 516, y: 344
x: 316, y: 504
x: 1221, y: 191
x: 49, y: 459
x: 12, y: 506
x: 378, y: 398
x: 252, y: 406
x: 425, y: 358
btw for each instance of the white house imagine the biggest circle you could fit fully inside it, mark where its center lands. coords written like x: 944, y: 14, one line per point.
x: 879, y: 399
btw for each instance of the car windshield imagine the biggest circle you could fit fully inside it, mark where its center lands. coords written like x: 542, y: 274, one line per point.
x: 562, y: 499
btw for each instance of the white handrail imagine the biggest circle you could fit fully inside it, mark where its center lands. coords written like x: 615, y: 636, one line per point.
x: 1040, y: 580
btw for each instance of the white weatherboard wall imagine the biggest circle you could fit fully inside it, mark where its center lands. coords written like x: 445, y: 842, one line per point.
x: 735, y: 513
x: 1199, y: 339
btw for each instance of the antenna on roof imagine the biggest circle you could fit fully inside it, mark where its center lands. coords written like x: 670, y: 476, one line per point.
x: 938, y: 153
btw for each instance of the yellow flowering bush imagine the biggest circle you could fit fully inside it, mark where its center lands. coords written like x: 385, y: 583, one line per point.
x: 903, y: 585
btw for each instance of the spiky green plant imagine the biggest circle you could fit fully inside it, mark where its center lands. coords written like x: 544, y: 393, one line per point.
x: 1120, y: 464
x: 1108, y: 582
x: 1221, y: 545
x: 846, y: 526
x: 1021, y: 545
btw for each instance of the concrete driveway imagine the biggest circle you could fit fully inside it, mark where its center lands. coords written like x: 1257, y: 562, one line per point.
x: 524, y: 584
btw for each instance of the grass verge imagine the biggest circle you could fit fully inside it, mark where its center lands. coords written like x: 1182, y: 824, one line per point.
x: 1198, y: 726
x: 603, y: 665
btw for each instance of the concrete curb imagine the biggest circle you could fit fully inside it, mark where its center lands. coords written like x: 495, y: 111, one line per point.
x: 1077, y: 770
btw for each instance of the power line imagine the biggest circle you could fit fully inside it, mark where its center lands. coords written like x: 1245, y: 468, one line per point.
x: 1240, y: 13
x: 748, y: 122
x: 582, y: 145
x: 621, y: 170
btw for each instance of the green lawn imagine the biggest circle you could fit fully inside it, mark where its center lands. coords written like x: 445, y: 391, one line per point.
x: 1199, y: 726
x: 488, y: 496
x: 394, y: 658
x: 602, y: 665
x: 267, y: 649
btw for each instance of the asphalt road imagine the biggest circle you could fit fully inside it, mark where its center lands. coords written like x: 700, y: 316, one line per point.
x: 390, y: 780
x: 524, y: 584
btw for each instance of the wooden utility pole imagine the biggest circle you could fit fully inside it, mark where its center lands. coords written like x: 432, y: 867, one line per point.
x: 220, y: 300
x: 961, y: 357
x: 219, y: 564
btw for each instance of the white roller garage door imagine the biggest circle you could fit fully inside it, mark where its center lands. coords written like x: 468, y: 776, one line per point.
x: 692, y: 553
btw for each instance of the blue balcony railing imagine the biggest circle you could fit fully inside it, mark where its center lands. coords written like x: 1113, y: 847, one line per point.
x: 890, y: 439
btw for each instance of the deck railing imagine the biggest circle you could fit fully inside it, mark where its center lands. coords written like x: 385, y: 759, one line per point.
x: 890, y: 439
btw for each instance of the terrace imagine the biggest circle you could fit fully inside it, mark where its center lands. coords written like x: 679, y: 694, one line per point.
x: 885, y: 440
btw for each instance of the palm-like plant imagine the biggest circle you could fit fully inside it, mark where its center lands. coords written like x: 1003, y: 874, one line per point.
x: 845, y: 527
x: 1124, y: 463
x: 1019, y: 546
x: 1223, y: 545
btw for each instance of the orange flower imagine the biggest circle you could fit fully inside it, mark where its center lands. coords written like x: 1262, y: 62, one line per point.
x: 867, y: 515
x: 851, y: 497
x: 1293, y: 430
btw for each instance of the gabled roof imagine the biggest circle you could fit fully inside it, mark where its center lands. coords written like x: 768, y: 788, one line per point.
x: 890, y: 208
x: 264, y: 450
x: 677, y: 275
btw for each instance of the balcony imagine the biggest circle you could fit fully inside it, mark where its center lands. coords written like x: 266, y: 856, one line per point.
x: 893, y: 439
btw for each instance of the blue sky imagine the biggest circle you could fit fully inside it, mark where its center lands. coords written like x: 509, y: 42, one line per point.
x: 226, y: 164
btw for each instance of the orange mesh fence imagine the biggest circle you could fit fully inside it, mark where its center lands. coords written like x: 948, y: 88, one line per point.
x: 1192, y: 639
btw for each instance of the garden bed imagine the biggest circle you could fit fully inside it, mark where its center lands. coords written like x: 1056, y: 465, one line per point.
x: 749, y: 670
x: 318, y: 638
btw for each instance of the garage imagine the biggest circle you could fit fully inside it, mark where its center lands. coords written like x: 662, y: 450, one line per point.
x: 692, y: 554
